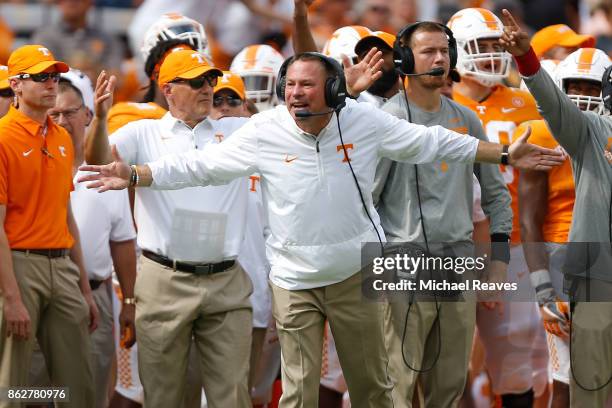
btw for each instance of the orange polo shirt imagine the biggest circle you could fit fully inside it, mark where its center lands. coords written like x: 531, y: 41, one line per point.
x: 35, y: 186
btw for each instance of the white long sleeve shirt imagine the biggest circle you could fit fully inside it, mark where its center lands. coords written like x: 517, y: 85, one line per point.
x: 317, y: 221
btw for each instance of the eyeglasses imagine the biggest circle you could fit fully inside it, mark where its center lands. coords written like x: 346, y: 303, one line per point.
x: 42, y: 77
x: 68, y: 113
x: 197, y: 83
x: 230, y: 100
x: 6, y: 93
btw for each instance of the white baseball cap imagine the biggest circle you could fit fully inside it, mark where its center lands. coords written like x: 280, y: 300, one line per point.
x: 81, y: 82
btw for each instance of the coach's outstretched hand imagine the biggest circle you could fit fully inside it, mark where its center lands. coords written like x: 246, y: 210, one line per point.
x: 112, y: 176
x: 514, y: 39
x: 527, y: 156
x: 360, y: 77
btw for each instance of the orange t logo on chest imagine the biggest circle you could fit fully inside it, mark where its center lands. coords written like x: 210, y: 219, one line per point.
x: 348, y: 146
x: 254, y: 181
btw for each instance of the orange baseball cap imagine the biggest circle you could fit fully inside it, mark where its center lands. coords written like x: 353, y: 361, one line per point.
x: 559, y: 35
x: 4, y: 77
x: 184, y: 64
x: 381, y: 37
x: 33, y: 59
x: 233, y: 82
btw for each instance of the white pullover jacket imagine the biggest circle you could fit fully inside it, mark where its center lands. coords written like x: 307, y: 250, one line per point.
x: 317, y: 221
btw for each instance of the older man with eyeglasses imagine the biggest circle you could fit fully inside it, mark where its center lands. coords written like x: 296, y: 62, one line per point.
x: 44, y: 288
x: 190, y: 284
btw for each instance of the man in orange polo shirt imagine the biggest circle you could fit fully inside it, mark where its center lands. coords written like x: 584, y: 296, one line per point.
x: 44, y: 291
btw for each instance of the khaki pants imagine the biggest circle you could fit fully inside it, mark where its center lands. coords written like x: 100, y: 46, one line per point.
x: 59, y: 318
x: 171, y: 308
x: 591, y: 347
x: 102, y: 349
x: 356, y: 325
x: 443, y: 384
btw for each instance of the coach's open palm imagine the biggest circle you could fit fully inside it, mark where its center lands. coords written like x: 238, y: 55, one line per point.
x: 527, y: 156
x: 112, y: 176
x: 360, y: 77
x: 105, y: 86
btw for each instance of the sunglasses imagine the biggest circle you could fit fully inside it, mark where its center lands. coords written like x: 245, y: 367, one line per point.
x: 6, y: 93
x: 42, y: 77
x: 197, y: 83
x: 230, y: 100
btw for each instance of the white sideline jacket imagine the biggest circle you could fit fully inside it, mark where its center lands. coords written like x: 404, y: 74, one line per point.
x: 317, y: 221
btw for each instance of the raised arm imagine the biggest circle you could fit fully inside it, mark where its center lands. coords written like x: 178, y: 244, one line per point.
x: 565, y: 120
x: 97, y: 148
x: 303, y: 40
x: 264, y: 11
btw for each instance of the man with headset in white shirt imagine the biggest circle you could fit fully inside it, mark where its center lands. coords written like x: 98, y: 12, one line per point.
x: 315, y: 184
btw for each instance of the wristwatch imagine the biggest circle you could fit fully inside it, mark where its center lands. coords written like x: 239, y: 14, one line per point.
x: 505, y: 156
x: 129, y: 301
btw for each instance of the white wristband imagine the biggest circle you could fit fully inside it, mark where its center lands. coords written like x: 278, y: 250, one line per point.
x: 540, y: 278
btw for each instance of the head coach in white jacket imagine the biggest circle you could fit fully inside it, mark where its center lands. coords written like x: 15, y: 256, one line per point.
x: 316, y: 185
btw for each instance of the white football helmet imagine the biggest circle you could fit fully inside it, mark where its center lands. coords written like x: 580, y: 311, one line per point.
x: 174, y: 26
x: 468, y: 26
x: 343, y: 41
x: 550, y: 66
x: 258, y: 67
x: 584, y: 64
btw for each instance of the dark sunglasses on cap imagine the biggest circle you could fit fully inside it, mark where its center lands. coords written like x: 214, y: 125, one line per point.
x: 230, y: 100
x: 6, y: 93
x: 42, y: 77
x: 198, y: 82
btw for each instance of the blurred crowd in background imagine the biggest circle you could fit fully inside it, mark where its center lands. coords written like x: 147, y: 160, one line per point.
x: 106, y: 34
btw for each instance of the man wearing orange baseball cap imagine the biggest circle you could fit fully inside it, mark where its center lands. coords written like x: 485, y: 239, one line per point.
x: 387, y: 85
x: 6, y: 93
x: 229, y: 97
x: 187, y: 287
x: 558, y: 41
x: 45, y: 287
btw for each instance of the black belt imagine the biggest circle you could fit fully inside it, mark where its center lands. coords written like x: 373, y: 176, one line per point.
x: 49, y: 253
x: 95, y: 284
x: 197, y: 269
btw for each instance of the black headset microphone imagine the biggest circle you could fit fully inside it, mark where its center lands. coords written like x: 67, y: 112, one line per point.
x: 438, y: 71
x: 303, y: 114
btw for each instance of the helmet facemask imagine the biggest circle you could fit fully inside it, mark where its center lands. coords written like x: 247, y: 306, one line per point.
x: 487, y: 68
